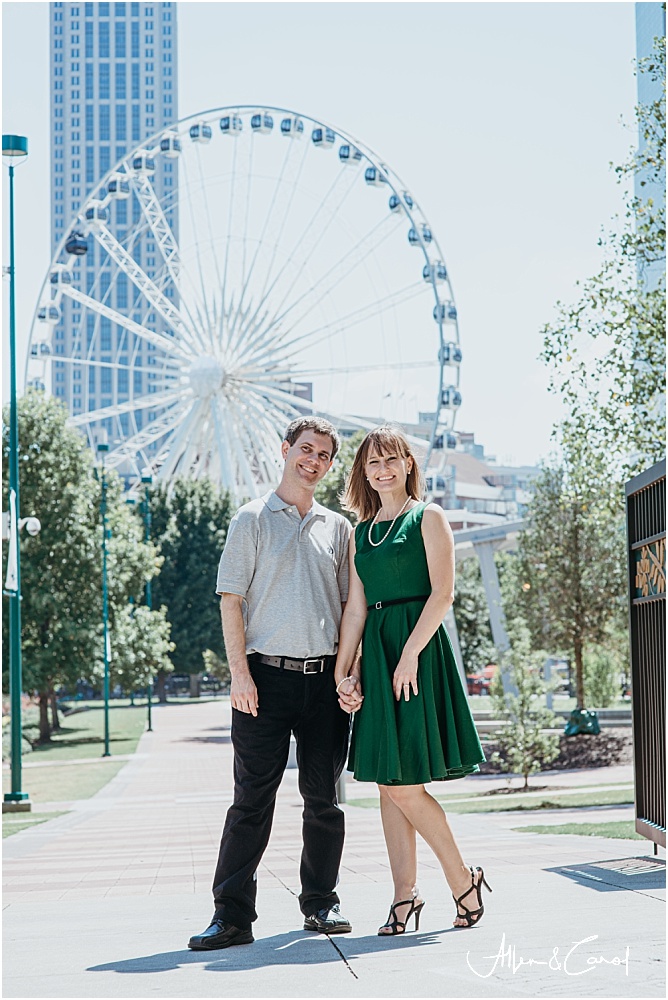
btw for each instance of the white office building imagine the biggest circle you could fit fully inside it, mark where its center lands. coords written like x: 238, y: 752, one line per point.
x: 113, y: 83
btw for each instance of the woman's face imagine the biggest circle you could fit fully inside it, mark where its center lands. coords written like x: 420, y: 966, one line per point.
x: 387, y: 473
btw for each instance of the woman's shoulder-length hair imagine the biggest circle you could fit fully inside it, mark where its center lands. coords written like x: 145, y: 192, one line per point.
x: 359, y: 497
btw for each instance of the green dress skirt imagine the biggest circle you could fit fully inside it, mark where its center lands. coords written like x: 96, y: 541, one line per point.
x: 432, y: 736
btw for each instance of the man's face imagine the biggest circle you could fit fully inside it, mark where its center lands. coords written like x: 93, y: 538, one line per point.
x: 308, y: 459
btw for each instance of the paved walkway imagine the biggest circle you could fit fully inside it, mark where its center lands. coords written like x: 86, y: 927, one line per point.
x: 101, y: 902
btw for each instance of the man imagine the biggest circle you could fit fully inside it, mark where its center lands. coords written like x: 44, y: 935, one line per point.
x: 283, y: 578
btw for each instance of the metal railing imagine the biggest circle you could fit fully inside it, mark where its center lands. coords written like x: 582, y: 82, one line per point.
x: 646, y: 540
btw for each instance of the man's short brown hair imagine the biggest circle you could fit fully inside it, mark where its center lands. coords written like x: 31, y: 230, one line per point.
x: 316, y: 424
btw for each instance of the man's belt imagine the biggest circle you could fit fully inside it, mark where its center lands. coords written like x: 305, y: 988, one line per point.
x: 397, y: 600
x: 311, y: 665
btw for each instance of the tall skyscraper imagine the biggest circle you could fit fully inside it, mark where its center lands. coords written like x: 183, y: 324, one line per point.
x: 114, y: 83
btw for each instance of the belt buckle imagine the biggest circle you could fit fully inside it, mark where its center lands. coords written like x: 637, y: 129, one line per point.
x: 379, y: 605
x: 320, y: 666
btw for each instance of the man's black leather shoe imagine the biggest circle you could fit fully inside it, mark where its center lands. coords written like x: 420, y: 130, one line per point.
x: 220, y: 935
x: 328, y: 921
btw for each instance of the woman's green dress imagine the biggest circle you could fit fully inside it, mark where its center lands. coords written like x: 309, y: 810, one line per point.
x: 431, y: 737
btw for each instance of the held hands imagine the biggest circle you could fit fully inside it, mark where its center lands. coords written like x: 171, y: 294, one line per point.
x: 243, y: 693
x: 405, y: 676
x: 350, y: 693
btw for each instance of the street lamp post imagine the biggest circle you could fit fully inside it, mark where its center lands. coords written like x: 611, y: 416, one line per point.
x: 147, y: 479
x: 102, y: 448
x: 14, y: 148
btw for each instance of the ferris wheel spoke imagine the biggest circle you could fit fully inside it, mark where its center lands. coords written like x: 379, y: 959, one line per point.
x: 158, y: 224
x: 336, y: 274
x: 281, y: 222
x: 261, y: 376
x: 115, y: 365
x: 331, y: 279
x: 167, y: 344
x: 212, y: 243
x: 174, y: 446
x: 158, y: 428
x: 146, y: 285
x: 306, y: 243
x: 344, y: 323
x: 224, y: 446
x: 153, y: 401
x: 231, y: 332
x: 202, y: 305
x: 243, y: 447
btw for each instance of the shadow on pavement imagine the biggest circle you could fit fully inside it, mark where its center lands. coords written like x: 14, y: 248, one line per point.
x: 292, y: 948
x: 625, y: 873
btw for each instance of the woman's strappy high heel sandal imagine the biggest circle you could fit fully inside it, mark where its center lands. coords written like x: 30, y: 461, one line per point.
x: 472, y: 917
x: 397, y: 926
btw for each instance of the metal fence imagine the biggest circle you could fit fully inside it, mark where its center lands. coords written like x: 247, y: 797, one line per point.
x: 646, y: 539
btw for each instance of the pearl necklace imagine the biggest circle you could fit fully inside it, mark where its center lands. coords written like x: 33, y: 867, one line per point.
x: 376, y: 544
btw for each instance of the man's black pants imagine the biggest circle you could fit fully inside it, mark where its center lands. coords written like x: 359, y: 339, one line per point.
x: 307, y: 705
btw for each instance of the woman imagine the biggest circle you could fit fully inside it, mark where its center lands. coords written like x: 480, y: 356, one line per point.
x: 413, y: 723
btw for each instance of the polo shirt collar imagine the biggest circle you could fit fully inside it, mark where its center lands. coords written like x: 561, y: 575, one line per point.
x: 274, y: 502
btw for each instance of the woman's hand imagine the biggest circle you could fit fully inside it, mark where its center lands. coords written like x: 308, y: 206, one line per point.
x: 405, y: 676
x: 350, y: 694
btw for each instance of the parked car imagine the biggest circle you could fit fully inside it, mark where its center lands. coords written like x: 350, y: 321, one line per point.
x: 479, y: 683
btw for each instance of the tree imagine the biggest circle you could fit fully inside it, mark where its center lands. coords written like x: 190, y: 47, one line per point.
x: 472, y: 617
x: 330, y: 489
x: 607, y: 351
x: 524, y: 745
x: 62, y: 566
x: 141, y: 646
x: 190, y: 519
x: 572, y: 558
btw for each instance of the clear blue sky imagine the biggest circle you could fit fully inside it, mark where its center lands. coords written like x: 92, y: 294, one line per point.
x: 502, y: 118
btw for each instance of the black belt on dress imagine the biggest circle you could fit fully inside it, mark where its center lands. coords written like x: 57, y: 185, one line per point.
x: 311, y: 665
x: 397, y: 600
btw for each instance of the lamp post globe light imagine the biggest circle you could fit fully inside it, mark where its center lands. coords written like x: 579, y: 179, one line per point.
x: 103, y: 448
x: 14, y: 151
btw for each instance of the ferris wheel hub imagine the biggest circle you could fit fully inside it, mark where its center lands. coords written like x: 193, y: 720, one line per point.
x: 206, y: 376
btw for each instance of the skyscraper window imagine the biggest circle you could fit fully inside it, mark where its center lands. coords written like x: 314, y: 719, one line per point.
x: 104, y: 82
x: 89, y: 37
x: 121, y: 77
x: 120, y: 39
x: 104, y: 123
x: 121, y: 128
x: 134, y: 51
x: 103, y: 40
x: 90, y: 122
x: 135, y: 82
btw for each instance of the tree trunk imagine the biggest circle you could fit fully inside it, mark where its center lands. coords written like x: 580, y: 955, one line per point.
x: 53, y: 702
x: 160, y: 692
x: 44, y: 727
x: 195, y: 681
x: 579, y: 674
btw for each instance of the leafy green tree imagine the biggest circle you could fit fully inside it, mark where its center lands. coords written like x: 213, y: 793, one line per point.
x: 141, y: 646
x: 61, y: 567
x: 572, y: 571
x: 524, y: 745
x: 330, y: 489
x: 607, y: 350
x: 472, y: 617
x: 190, y: 519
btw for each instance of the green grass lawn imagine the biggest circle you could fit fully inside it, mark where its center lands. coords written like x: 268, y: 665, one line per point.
x: 50, y: 778
x: 15, y: 822
x: 518, y: 801
x: 618, y: 830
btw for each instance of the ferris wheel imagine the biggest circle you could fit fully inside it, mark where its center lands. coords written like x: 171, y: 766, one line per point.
x: 285, y: 270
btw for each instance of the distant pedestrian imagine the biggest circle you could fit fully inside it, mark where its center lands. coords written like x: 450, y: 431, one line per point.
x: 283, y: 579
x: 414, y: 724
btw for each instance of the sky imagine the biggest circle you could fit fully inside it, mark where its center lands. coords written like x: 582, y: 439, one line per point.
x: 502, y: 118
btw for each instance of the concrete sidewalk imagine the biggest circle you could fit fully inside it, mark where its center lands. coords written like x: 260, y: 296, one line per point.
x: 101, y: 902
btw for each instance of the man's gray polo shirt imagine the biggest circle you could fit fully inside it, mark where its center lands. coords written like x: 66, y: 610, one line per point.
x: 292, y: 574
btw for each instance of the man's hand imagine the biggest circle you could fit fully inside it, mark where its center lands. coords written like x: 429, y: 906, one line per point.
x: 243, y: 693
x: 350, y: 694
